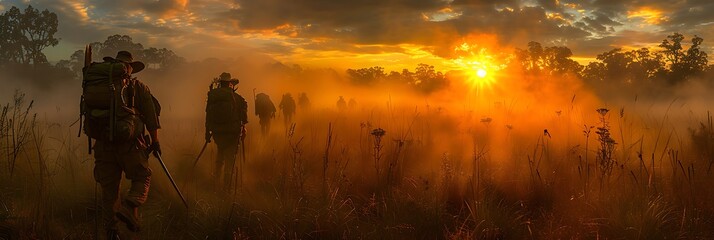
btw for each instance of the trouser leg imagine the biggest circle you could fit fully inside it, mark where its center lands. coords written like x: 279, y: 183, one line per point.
x: 227, y: 149
x: 108, y: 173
x: 136, y: 165
x: 229, y: 169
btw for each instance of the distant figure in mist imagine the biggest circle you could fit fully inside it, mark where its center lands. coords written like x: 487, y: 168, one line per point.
x: 303, y: 101
x: 122, y: 150
x: 287, y: 105
x: 265, y: 110
x: 226, y: 116
x: 352, y: 104
x: 341, y: 104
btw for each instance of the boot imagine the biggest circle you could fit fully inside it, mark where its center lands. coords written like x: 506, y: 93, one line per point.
x: 129, y: 214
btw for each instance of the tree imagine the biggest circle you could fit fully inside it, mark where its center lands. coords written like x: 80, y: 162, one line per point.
x: 645, y: 65
x: 23, y: 36
x: 531, y: 59
x: 557, y: 61
x: 631, y: 67
x: 683, y: 64
x: 154, y: 58
x: 428, y: 80
x: 160, y: 58
x: 11, y: 37
x: 114, y: 44
x: 593, y: 72
x: 550, y: 60
x: 366, y: 76
x: 615, y: 65
x: 39, y: 28
x: 74, y: 64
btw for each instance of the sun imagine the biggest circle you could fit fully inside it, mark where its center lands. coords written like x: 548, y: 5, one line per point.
x: 480, y: 65
x: 481, y: 73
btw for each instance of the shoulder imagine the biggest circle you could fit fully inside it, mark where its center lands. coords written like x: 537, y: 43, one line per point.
x: 239, y: 98
x: 138, y: 85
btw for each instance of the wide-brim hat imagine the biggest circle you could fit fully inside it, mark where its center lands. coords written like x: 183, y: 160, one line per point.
x: 125, y: 57
x: 226, y: 77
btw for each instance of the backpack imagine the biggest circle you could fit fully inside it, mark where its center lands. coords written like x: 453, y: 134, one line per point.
x: 222, y: 110
x: 107, y: 103
x: 263, y: 106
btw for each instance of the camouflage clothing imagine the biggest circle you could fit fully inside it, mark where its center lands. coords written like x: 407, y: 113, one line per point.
x: 131, y: 158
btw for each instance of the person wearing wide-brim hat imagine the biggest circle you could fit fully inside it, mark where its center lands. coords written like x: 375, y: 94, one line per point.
x: 114, y: 158
x: 126, y: 57
x: 226, y: 116
x: 226, y: 77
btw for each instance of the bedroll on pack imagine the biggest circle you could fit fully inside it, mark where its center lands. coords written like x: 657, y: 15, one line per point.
x: 108, y: 103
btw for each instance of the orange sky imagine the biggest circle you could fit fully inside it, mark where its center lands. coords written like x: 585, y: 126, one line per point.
x: 362, y: 33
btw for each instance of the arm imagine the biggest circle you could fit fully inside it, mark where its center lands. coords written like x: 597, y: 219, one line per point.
x: 149, y: 108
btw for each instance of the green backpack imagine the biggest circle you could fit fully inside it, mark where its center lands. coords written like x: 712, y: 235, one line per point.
x: 108, y: 103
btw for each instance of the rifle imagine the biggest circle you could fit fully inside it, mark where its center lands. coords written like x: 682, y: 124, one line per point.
x: 168, y: 174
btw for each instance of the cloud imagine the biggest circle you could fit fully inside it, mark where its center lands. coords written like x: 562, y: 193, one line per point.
x: 291, y: 28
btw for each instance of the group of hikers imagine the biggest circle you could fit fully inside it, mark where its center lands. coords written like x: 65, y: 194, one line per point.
x: 119, y: 110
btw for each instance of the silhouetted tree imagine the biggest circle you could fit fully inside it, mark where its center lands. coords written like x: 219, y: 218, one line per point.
x: 114, y: 44
x: 74, y: 64
x: 366, y: 76
x: 427, y: 80
x: 23, y: 35
x: 550, y: 60
x: 645, y: 66
x: 557, y: 61
x: 683, y: 64
x: 160, y: 58
x: 593, y: 72
x: 631, y: 67
x: 531, y: 59
x: 154, y: 58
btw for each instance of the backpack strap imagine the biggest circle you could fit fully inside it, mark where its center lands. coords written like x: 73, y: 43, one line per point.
x: 112, y: 104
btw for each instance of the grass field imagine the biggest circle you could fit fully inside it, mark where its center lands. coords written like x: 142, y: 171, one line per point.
x: 391, y: 170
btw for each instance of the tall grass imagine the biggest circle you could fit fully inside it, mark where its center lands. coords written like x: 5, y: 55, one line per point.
x: 362, y: 175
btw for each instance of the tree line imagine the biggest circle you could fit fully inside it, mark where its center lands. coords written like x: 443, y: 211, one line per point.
x: 25, y: 34
x: 671, y: 64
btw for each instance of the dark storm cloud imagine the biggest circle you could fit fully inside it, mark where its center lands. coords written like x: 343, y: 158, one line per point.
x: 598, y: 24
x: 268, y: 14
x: 519, y: 26
x: 402, y: 21
x: 156, y: 7
x: 691, y: 16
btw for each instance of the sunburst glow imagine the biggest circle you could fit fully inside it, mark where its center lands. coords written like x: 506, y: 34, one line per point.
x: 480, y: 65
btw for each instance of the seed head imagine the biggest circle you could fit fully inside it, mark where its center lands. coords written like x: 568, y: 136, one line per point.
x: 378, y: 132
x: 602, y: 111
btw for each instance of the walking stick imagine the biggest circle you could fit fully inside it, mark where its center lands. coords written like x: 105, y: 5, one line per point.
x: 166, y: 170
x: 200, y: 154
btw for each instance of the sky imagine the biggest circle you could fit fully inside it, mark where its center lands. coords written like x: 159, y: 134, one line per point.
x: 394, y: 34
